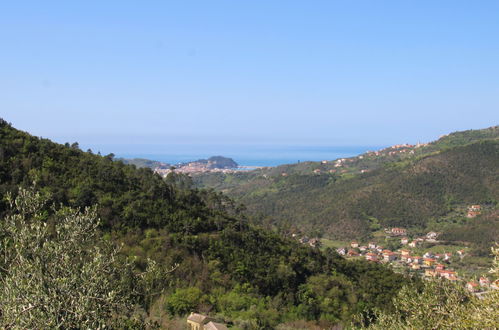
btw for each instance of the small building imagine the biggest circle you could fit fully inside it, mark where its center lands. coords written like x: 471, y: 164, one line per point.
x: 354, y: 244
x: 341, y: 251
x: 197, y: 321
x: 389, y: 256
x: 214, y: 326
x: 362, y: 248
x: 472, y: 286
x: 371, y: 257
x: 352, y: 253
x: 439, y: 267
x: 415, y: 266
x: 445, y: 273
x: 476, y: 207
x: 399, y: 231
x: 473, y: 211
x: 404, y: 240
x: 429, y: 262
x: 417, y: 260
x: 413, y: 244
x: 428, y: 255
x: 432, y: 235
x: 404, y: 252
x: 472, y: 214
x: 371, y: 245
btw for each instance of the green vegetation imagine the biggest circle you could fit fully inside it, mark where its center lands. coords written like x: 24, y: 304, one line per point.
x: 219, y: 162
x: 429, y: 189
x: 57, y: 274
x: 480, y: 231
x: 142, y: 162
x: 442, y: 305
x: 222, y: 264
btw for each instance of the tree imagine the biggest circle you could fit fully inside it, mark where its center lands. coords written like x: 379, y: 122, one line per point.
x: 60, y: 275
x: 442, y: 305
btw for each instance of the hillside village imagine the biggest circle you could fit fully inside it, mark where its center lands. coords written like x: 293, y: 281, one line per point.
x: 212, y: 164
x: 365, y: 162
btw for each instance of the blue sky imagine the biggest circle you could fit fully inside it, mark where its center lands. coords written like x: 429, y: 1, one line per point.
x: 277, y: 72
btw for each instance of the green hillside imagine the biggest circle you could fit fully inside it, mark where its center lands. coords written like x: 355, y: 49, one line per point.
x: 347, y: 167
x: 235, y: 271
x: 142, y: 162
x: 415, y: 190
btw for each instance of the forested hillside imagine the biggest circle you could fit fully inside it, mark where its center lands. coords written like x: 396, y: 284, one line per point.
x: 223, y: 265
x: 412, y: 191
x: 347, y: 167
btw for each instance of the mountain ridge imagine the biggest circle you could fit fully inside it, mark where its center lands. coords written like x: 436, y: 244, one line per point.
x: 236, y: 271
x: 424, y: 186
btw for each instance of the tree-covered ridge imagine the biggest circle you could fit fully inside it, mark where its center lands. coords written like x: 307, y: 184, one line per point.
x: 142, y: 162
x: 348, y: 167
x: 409, y: 193
x: 223, y: 265
x: 461, y: 138
x: 126, y: 196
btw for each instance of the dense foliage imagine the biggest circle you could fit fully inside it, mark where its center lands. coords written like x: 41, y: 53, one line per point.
x: 59, y: 275
x: 411, y: 193
x: 480, y: 232
x: 442, y: 305
x: 223, y: 265
x: 142, y: 162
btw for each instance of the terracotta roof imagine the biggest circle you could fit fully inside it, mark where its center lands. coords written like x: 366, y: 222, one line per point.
x: 199, y: 318
x: 215, y: 326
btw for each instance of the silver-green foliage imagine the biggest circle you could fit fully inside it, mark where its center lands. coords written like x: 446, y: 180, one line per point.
x: 60, y: 275
x: 443, y: 305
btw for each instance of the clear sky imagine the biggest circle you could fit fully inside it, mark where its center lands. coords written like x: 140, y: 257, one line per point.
x: 290, y: 72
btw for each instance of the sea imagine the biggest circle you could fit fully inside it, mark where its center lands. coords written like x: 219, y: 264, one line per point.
x: 250, y: 155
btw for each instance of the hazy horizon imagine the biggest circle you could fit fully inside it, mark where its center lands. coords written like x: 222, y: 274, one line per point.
x: 279, y: 72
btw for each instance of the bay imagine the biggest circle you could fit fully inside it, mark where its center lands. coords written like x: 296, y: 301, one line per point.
x: 248, y: 155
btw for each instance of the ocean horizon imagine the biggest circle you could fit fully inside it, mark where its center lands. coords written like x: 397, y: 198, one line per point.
x: 252, y: 155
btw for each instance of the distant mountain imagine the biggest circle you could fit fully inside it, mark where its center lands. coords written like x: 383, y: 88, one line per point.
x: 410, y: 186
x: 214, y: 162
x: 219, y: 162
x: 144, y: 163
